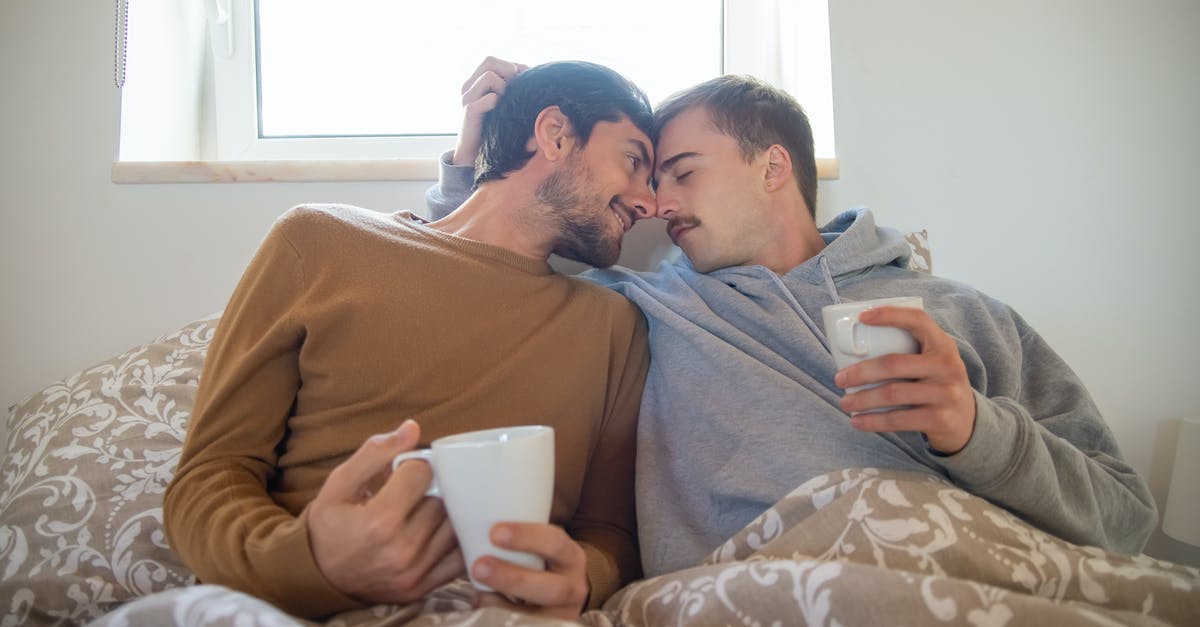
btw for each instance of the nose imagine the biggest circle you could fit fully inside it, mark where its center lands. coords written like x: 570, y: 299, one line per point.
x: 667, y: 203
x: 641, y: 198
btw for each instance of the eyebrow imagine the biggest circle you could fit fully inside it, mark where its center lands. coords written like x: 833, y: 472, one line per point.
x: 670, y: 163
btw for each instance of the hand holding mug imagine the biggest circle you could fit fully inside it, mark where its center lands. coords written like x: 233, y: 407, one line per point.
x: 394, y: 546
x: 498, y: 486
x: 927, y: 391
x: 560, y: 591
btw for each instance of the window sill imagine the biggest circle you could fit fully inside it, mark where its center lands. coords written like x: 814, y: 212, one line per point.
x: 307, y: 171
x: 274, y: 171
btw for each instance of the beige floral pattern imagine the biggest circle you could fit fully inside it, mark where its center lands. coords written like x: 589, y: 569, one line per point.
x: 921, y: 260
x: 871, y: 547
x: 87, y: 461
x: 856, y: 547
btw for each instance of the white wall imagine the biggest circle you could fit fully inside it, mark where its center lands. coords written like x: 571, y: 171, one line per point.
x: 1048, y: 146
x: 1051, y: 149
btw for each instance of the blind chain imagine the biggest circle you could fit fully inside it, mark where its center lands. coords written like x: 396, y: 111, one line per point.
x: 120, y: 42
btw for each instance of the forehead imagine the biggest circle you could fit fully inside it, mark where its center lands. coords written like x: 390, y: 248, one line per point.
x: 623, y: 130
x: 690, y: 131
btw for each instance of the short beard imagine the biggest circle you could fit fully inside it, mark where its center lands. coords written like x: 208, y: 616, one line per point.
x: 583, y: 234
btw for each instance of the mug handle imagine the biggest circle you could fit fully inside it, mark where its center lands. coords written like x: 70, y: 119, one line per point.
x: 850, y: 341
x: 424, y: 454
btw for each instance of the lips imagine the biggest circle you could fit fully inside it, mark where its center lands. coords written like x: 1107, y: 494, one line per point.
x: 676, y: 229
x: 624, y: 216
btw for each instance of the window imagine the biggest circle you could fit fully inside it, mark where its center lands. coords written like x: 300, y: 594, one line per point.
x: 374, y: 67
x: 380, y: 79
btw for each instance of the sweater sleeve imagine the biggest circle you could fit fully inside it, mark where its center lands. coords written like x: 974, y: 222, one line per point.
x: 452, y: 189
x: 217, y: 511
x: 605, y: 523
x: 1043, y: 451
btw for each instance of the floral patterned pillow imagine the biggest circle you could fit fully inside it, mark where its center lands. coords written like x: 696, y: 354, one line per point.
x: 921, y: 261
x: 87, y: 462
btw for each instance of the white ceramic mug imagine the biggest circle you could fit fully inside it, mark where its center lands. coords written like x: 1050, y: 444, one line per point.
x: 490, y: 476
x: 851, y: 341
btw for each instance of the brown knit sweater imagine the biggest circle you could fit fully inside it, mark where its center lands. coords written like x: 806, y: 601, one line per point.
x: 349, y: 321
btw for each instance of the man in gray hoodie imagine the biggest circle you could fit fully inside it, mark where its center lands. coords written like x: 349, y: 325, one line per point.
x: 743, y: 402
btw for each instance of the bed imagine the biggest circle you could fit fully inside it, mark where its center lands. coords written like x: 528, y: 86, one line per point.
x: 81, y: 538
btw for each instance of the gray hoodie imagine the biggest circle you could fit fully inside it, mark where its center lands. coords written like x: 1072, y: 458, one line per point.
x: 740, y: 405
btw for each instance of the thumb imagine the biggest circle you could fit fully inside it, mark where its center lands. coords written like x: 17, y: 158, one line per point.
x: 375, y: 455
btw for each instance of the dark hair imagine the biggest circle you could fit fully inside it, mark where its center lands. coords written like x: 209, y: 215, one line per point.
x: 586, y: 93
x: 755, y: 114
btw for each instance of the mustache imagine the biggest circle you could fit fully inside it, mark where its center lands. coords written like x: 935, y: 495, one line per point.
x: 682, y: 221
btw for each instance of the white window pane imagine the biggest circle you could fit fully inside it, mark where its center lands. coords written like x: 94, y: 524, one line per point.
x: 384, y: 67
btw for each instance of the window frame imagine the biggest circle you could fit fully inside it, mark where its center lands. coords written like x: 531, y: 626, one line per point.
x: 236, y: 105
x: 234, y: 151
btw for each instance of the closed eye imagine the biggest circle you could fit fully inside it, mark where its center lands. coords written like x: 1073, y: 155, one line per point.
x: 684, y: 175
x: 635, y: 162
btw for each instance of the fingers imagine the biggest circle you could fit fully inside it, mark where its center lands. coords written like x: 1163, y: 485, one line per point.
x: 436, y: 569
x: 904, y: 418
x: 429, y: 527
x: 884, y: 368
x: 543, y: 588
x: 562, y: 586
x: 931, y: 391
x: 943, y: 426
x: 446, y: 569
x: 891, y: 394
x: 347, y: 481
x: 404, y: 489
x: 938, y: 357
x: 425, y: 520
x: 924, y: 329
x: 909, y: 318
x: 502, y: 69
x: 489, y: 85
x: 547, y: 541
x: 481, y: 93
x: 395, y: 546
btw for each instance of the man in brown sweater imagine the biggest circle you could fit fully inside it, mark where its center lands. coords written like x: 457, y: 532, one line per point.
x: 354, y: 336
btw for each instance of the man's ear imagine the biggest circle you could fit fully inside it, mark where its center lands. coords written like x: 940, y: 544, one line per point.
x: 779, y: 167
x: 553, y: 135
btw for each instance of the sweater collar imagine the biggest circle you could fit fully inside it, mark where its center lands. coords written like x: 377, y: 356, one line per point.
x: 499, y: 254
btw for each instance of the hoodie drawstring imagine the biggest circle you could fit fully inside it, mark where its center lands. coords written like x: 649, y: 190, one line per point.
x: 791, y: 298
x: 829, y: 284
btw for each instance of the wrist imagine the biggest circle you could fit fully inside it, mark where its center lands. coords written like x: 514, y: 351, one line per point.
x: 463, y: 156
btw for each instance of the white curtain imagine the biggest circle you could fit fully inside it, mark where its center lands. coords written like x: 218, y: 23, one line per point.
x: 786, y: 43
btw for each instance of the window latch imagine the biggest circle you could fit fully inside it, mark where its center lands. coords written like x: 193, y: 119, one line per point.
x: 220, y: 26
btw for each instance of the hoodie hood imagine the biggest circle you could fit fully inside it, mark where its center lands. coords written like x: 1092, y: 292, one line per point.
x: 854, y: 244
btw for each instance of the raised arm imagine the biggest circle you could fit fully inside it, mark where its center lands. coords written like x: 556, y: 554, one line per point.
x: 456, y: 174
x: 480, y: 93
